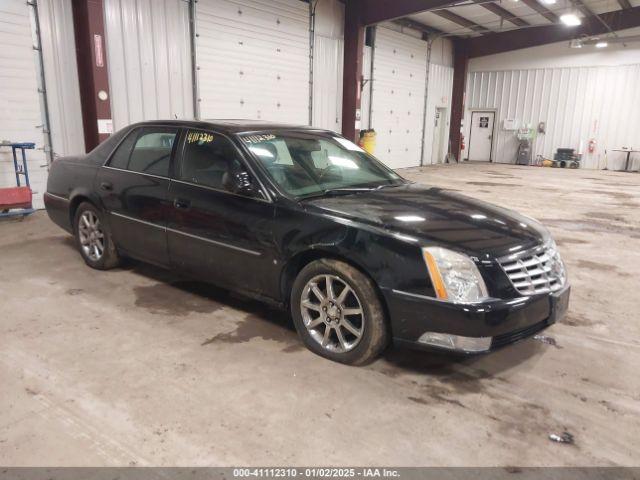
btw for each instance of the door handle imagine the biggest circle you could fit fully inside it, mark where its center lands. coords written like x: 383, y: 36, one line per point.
x: 182, y: 203
x: 108, y: 186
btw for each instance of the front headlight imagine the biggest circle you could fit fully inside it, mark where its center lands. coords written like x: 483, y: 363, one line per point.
x: 454, y: 276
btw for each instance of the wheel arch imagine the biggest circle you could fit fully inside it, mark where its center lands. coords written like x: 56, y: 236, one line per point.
x: 75, y: 203
x: 305, y: 257
x: 77, y: 198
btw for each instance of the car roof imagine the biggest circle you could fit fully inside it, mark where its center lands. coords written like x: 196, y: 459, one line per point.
x: 231, y: 126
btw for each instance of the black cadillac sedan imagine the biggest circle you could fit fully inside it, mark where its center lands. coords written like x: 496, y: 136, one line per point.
x: 306, y: 219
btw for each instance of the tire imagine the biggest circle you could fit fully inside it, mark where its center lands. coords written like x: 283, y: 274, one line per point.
x: 90, y: 235
x: 363, y: 336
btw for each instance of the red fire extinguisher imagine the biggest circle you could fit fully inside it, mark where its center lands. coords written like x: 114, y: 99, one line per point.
x: 462, y: 145
x: 592, y: 145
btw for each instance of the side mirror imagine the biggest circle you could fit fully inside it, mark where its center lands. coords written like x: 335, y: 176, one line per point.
x: 240, y: 182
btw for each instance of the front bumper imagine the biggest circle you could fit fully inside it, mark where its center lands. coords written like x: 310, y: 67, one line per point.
x: 478, y: 327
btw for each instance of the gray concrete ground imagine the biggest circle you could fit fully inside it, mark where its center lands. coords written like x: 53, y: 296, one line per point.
x: 137, y: 367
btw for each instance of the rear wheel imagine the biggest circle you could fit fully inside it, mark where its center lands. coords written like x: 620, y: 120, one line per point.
x: 93, y: 239
x: 337, y: 312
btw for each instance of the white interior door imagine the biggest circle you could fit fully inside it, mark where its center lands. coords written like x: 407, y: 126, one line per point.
x: 440, y: 121
x: 481, y: 137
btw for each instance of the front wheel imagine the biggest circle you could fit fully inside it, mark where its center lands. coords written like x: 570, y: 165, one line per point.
x: 337, y: 312
x: 93, y: 239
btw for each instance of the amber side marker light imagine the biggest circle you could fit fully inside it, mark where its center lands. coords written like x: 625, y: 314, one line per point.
x: 436, y: 277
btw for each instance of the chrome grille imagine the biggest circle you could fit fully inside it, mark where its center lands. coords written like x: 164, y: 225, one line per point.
x: 537, y: 271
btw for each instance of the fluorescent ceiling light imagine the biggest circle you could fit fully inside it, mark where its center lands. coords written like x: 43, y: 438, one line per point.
x: 549, y: 2
x: 602, y: 44
x: 570, y: 19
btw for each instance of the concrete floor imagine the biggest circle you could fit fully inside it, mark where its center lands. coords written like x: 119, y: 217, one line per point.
x: 137, y: 367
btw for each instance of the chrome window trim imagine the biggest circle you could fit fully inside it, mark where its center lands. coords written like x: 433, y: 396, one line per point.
x: 197, y: 237
x: 133, y: 171
x: 213, y: 189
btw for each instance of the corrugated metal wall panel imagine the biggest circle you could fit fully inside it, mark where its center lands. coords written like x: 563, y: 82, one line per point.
x: 577, y: 104
x: 398, y: 97
x: 20, y: 114
x: 327, y: 82
x: 253, y: 59
x: 149, y: 60
x: 61, y: 76
x: 438, y: 96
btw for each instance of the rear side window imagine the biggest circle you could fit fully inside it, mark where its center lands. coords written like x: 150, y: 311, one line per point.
x: 146, y: 150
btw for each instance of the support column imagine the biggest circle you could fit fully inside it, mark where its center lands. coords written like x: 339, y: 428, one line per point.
x: 460, y: 66
x: 88, y: 22
x: 352, y: 71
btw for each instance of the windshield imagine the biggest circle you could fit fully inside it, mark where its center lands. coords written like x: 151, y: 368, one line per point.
x: 308, y: 164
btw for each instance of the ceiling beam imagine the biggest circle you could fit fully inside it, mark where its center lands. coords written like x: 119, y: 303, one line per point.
x: 376, y: 11
x: 542, y: 10
x: 502, y: 13
x: 582, y: 8
x: 543, y: 35
x: 624, y: 4
x: 455, y: 18
x: 421, y: 27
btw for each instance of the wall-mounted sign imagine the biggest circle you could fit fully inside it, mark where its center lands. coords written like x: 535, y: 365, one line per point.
x: 510, y: 124
x: 484, y: 122
x: 105, y: 126
x: 98, y: 51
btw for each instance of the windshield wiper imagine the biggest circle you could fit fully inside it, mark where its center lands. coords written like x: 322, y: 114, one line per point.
x: 347, y: 190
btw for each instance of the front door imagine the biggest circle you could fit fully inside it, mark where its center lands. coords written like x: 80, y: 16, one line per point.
x: 133, y: 188
x: 437, y: 151
x: 481, y: 137
x: 215, y: 233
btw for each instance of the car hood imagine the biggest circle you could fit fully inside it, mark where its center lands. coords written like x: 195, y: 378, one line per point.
x: 430, y: 215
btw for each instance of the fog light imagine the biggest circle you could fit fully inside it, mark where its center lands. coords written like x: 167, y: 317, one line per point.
x: 456, y: 342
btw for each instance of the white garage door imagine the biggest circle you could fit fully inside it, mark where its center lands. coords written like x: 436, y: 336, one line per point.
x: 20, y: 115
x: 399, y: 76
x: 253, y: 59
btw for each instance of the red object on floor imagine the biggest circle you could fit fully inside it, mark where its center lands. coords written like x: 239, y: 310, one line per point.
x: 15, y: 197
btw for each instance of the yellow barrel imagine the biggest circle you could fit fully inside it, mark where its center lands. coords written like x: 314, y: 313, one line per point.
x: 368, y: 140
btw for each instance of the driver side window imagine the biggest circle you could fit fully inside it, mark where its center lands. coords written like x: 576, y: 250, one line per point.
x: 209, y: 159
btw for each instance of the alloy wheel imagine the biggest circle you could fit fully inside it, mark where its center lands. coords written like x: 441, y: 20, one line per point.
x: 332, y: 313
x: 91, y: 235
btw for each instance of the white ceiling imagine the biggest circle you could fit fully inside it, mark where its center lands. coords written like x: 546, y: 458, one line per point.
x: 480, y: 15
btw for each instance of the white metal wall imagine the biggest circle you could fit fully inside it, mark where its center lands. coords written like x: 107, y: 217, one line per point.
x: 253, y: 59
x: 149, y: 60
x: 577, y: 104
x: 20, y: 116
x: 61, y: 76
x: 399, y: 77
x: 327, y: 82
x: 440, y: 86
x: 365, y: 94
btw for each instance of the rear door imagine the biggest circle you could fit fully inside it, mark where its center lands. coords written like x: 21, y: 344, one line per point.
x: 214, y: 233
x: 133, y: 187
